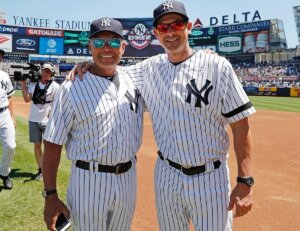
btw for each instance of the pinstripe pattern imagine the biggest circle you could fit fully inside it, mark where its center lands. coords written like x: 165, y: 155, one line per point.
x: 7, y: 129
x: 97, y: 123
x: 191, y: 105
x: 101, y: 201
x: 201, y: 198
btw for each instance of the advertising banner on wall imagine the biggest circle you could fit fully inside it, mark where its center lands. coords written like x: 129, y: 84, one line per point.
x: 25, y: 44
x: 12, y: 29
x: 76, y: 43
x: 203, y: 37
x: 44, y: 32
x: 140, y: 41
x: 244, y: 27
x: 6, y: 42
x: 51, y: 46
x: 256, y: 42
x: 230, y: 44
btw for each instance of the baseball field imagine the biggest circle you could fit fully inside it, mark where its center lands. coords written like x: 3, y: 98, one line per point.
x: 276, y: 160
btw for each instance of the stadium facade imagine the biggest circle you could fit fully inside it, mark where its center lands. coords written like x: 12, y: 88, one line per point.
x: 252, y: 42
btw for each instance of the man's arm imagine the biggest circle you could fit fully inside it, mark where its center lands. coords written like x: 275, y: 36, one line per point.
x: 11, y: 110
x: 241, y: 195
x: 53, y: 205
x: 26, y: 96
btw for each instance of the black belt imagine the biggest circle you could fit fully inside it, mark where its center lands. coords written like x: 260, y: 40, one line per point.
x: 190, y: 170
x: 3, y: 109
x: 116, y: 169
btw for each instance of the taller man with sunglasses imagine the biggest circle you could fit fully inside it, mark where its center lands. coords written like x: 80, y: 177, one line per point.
x: 192, y: 98
x: 100, y: 121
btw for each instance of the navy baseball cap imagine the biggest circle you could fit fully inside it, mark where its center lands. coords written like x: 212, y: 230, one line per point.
x: 168, y: 7
x: 2, y: 52
x: 106, y: 24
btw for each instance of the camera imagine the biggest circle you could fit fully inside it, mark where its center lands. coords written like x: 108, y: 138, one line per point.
x: 27, y: 71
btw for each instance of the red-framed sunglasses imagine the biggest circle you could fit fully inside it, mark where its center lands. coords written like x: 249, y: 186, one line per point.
x: 163, y: 28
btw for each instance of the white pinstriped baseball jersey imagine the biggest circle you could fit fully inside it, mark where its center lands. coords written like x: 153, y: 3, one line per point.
x: 191, y: 105
x: 96, y: 121
x: 6, y: 89
x: 100, y: 122
x: 7, y: 129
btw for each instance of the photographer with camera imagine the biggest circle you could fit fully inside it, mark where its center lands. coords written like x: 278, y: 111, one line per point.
x: 41, y: 94
x: 7, y: 126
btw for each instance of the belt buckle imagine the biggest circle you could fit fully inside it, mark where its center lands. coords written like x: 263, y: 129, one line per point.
x: 182, y: 168
x: 209, y: 166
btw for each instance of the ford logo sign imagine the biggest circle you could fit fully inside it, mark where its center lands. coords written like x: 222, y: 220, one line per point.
x: 25, y: 42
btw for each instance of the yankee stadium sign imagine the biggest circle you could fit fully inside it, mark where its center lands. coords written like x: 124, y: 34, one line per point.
x: 46, y: 23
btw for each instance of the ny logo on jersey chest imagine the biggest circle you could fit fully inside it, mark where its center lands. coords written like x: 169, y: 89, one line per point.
x: 202, y: 95
x: 4, y: 85
x: 133, y: 100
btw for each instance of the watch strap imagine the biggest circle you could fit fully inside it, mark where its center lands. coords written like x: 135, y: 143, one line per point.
x: 249, y: 181
x: 47, y: 193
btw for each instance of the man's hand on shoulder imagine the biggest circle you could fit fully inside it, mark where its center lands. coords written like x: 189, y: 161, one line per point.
x: 209, y: 51
x: 79, y: 69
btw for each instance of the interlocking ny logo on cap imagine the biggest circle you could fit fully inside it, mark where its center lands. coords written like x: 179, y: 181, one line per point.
x: 168, y: 5
x: 105, y: 22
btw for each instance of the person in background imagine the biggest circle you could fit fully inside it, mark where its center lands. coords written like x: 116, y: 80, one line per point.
x: 7, y: 126
x: 41, y: 94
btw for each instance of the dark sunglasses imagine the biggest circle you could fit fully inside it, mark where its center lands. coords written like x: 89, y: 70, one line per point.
x: 113, y: 42
x: 163, y: 28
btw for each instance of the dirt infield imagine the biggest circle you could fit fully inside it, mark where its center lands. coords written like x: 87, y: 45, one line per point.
x: 276, y: 162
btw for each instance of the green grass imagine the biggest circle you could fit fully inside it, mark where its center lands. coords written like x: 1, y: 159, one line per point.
x: 275, y: 103
x: 18, y: 93
x: 22, y: 207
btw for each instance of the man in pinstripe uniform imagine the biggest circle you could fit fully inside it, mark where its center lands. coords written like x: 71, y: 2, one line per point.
x: 7, y: 126
x: 100, y: 121
x: 192, y: 98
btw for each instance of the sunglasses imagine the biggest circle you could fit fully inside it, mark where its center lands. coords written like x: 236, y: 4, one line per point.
x: 113, y: 42
x: 163, y: 28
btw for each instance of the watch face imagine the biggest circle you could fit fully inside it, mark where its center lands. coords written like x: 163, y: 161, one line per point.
x: 250, y: 181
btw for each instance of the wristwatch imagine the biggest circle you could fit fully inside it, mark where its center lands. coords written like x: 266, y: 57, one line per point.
x: 46, y: 193
x: 249, y: 181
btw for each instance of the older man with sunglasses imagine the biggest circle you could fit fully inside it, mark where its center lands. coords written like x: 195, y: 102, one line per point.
x: 192, y: 98
x: 100, y: 122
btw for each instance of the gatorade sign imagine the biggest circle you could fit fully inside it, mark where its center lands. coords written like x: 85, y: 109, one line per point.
x: 230, y: 44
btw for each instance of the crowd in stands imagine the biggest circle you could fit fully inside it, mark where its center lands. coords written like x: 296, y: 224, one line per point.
x: 268, y: 74
x: 257, y: 75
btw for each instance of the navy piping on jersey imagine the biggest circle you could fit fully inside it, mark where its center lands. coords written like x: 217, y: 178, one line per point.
x: 238, y: 110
